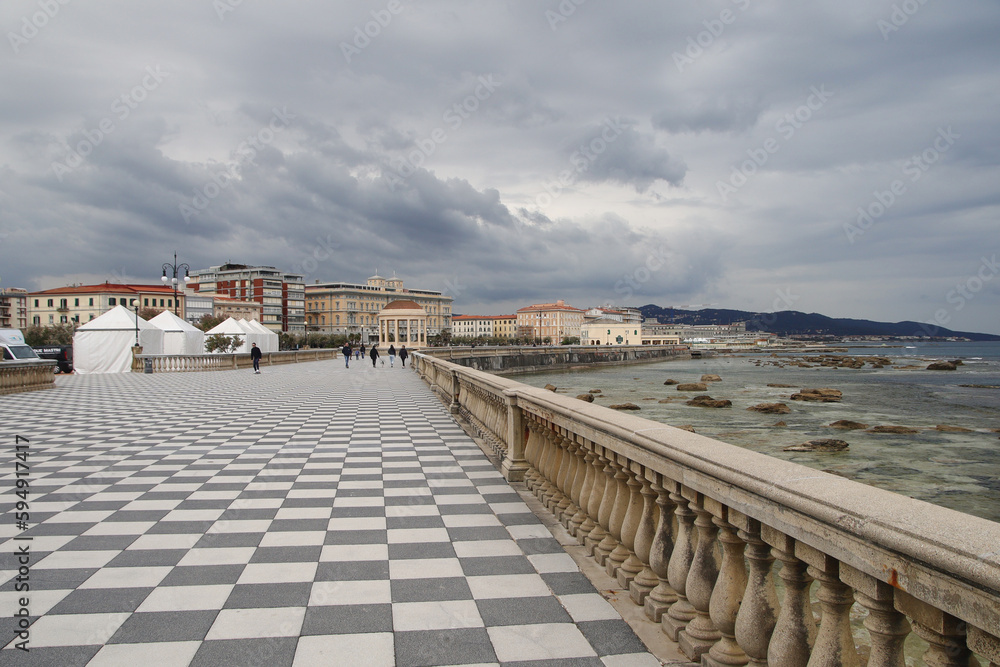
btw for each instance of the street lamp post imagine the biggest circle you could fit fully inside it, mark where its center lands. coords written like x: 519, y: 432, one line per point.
x: 174, y: 268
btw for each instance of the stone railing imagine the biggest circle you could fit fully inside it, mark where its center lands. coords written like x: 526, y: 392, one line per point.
x: 506, y: 360
x: 693, y: 528
x: 178, y: 363
x: 18, y: 376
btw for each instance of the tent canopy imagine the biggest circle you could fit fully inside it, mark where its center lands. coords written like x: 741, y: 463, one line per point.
x: 179, y: 337
x: 104, y: 345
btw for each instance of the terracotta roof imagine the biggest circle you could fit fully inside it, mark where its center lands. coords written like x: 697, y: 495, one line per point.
x: 109, y: 287
x: 403, y: 304
x: 549, y: 306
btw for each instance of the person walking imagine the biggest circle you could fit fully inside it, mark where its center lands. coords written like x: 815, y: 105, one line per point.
x: 373, y: 353
x: 362, y: 350
x: 347, y: 355
x: 255, y: 355
x: 392, y: 355
x: 403, y: 354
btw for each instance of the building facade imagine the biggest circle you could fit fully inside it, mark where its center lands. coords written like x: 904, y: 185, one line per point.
x: 281, y: 295
x: 554, y: 321
x: 609, y: 331
x: 13, y: 308
x: 223, y: 306
x: 352, y: 308
x: 471, y: 326
x: 78, y: 304
x: 505, y: 326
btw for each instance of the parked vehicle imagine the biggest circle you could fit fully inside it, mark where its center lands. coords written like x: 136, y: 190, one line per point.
x: 62, y: 354
x: 13, y: 346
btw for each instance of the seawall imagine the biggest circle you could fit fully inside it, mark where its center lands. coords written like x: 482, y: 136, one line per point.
x: 517, y: 360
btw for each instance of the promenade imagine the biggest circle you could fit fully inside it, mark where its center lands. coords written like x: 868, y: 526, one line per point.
x: 309, y: 515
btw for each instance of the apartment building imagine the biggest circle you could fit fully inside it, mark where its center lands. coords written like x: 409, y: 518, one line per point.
x: 13, y: 308
x: 281, y: 294
x: 554, y: 321
x: 78, y: 304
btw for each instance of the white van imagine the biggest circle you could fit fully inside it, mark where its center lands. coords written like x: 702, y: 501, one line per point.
x: 14, y: 348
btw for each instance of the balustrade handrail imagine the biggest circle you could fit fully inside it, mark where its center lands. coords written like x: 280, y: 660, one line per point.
x: 943, y: 564
x: 226, y: 361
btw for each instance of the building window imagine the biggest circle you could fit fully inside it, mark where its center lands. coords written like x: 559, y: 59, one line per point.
x: 51, y: 319
x: 50, y: 303
x: 91, y: 303
x: 76, y: 302
x: 62, y: 319
x: 111, y: 301
x: 145, y: 301
x: 36, y: 303
x: 161, y: 303
x: 37, y: 320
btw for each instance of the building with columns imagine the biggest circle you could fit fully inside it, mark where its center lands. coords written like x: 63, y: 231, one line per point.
x: 402, y: 322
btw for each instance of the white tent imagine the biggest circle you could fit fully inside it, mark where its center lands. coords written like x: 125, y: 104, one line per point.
x: 268, y: 340
x: 104, y: 344
x: 179, y: 337
x: 231, y: 327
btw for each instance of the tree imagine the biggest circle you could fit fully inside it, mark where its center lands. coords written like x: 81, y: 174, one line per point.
x: 222, y: 343
x: 57, y: 334
x: 208, y: 322
x: 149, y: 313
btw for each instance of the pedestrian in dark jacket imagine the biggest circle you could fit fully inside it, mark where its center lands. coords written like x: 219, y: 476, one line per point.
x: 373, y: 353
x: 392, y: 355
x: 255, y: 355
x: 362, y: 350
x: 403, y: 354
x: 347, y: 355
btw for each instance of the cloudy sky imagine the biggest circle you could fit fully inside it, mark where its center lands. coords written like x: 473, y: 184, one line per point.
x: 835, y: 156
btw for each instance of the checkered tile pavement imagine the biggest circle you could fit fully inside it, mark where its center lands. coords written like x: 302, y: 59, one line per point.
x: 309, y: 515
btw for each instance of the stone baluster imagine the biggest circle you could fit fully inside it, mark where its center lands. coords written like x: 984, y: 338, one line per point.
x: 608, y: 543
x: 682, y: 611
x: 700, y: 634
x: 795, y: 629
x: 759, y: 611
x: 945, y: 635
x: 887, y: 628
x: 617, y: 521
x: 727, y: 596
x: 582, y: 523
x: 550, y: 452
x: 515, y: 464
x: 646, y: 580
x: 662, y: 596
x: 598, y: 496
x: 555, y: 494
x: 834, y: 645
x: 531, y: 453
x: 632, y: 565
x: 566, y: 474
x: 984, y: 644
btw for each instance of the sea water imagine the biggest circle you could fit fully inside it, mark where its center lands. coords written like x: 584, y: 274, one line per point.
x: 956, y: 470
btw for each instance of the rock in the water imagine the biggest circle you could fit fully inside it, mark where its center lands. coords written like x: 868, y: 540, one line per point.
x: 781, y: 423
x: 665, y: 400
x: 711, y: 378
x: 671, y: 381
x: 781, y: 386
x: 686, y: 427
x: 848, y: 425
x: 586, y: 397
x: 595, y: 391
x: 709, y: 402
x: 822, y: 445
x: 625, y: 406
x: 550, y: 387
x: 692, y: 386
x: 943, y: 366
x: 819, y: 395
x: 945, y: 428
x: 894, y: 429
x: 771, y: 408
x: 981, y: 386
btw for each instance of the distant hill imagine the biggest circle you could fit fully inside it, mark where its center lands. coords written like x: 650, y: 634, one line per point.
x: 795, y: 323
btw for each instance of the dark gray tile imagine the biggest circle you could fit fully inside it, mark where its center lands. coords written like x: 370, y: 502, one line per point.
x: 611, y: 637
x: 179, y: 527
x: 56, y: 579
x: 41, y: 529
x: 215, y: 504
x: 244, y: 514
x: 427, y: 590
x: 443, y: 647
x: 474, y: 567
x: 357, y: 512
x: 298, y: 554
x: 540, y: 545
x: 164, y: 626
x: 415, y: 522
x: 64, y: 656
x: 348, y: 619
x: 471, y: 508
x: 478, y: 533
x: 356, y: 537
x: 297, y: 525
x: 393, y: 501
x: 99, y: 543
x: 203, y: 575
x: 559, y: 662
x: 148, y: 558
x: 247, y: 596
x: 352, y: 570
x: 217, y: 540
x: 568, y: 583
x: 421, y: 550
x: 519, y: 519
x: 101, y: 600
x: 138, y: 515
x: 522, y: 611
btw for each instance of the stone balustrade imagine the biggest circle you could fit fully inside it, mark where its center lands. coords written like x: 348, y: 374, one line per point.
x: 695, y: 529
x: 179, y: 363
x: 18, y: 376
x: 506, y: 360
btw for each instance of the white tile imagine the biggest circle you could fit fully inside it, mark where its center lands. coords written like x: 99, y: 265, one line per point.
x: 303, y: 513
x: 508, y: 586
x: 588, y: 607
x: 256, y: 503
x: 546, y: 563
x: 361, y: 591
x: 413, y: 535
x: 396, y: 511
x: 255, y: 623
x: 93, y: 516
x: 293, y: 538
x: 230, y: 494
x: 544, y: 641
x: 443, y: 615
x: 357, y: 523
x: 477, y: 548
x: 186, y: 598
x: 448, y: 483
x: 528, y: 531
x: 425, y: 568
x: 468, y: 520
x: 377, y: 649
x: 75, y: 559
x: 165, y: 541
x: 143, y: 505
x: 312, y: 493
x: 218, y: 556
x: 348, y: 552
x: 127, y: 577
x: 39, y: 602
x: 120, y: 528
x: 277, y: 573
x: 492, y: 489
x: 193, y: 515
x: 75, y: 629
x: 359, y: 501
x: 239, y: 526
x: 460, y: 499
x: 510, y: 508
x: 406, y: 491
x: 631, y: 660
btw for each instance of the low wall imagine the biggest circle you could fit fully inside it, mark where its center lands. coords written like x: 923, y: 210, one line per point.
x: 693, y: 528
x: 513, y: 360
x: 18, y: 376
x: 178, y: 363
